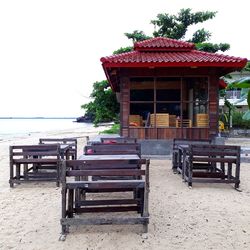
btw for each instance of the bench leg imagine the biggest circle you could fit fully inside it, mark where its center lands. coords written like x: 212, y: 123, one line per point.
x: 58, y: 175
x: 174, y: 162
x: 18, y: 171
x: 11, y: 175
x: 237, y: 175
x: 190, y: 174
x: 145, y: 227
x: 70, y: 202
x: 64, y: 227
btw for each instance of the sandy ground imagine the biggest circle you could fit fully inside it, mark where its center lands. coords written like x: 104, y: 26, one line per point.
x: 208, y: 216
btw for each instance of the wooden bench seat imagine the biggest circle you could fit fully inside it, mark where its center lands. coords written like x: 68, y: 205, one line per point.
x: 219, y: 161
x: 34, y: 163
x: 79, y: 193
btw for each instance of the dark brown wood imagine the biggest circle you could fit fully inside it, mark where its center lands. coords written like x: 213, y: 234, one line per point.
x: 84, y: 172
x: 72, y: 142
x: 208, y: 132
x: 113, y: 149
x: 219, y: 161
x: 177, y: 155
x: 110, y: 140
x: 34, y: 163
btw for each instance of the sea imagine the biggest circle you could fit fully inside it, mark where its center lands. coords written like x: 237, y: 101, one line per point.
x: 15, y: 127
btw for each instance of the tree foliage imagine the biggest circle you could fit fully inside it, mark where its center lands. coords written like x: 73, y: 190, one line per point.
x: 104, y: 107
x: 137, y: 36
x: 211, y: 47
x: 123, y: 50
x: 176, y: 27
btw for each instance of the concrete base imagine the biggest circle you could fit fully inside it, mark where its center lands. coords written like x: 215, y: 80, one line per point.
x: 156, y: 147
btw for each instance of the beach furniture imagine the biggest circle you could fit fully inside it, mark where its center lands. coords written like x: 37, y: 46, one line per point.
x: 96, y: 201
x: 178, y: 153
x: 110, y: 140
x: 72, y: 142
x: 212, y: 164
x: 34, y: 163
x: 113, y: 149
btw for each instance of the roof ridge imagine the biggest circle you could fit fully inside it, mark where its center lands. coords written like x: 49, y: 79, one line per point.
x: 164, y: 44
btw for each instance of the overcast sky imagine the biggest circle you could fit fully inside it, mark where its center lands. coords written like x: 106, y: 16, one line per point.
x: 50, y: 50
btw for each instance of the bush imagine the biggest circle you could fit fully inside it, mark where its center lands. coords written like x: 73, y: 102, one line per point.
x: 115, y: 129
x: 239, y: 122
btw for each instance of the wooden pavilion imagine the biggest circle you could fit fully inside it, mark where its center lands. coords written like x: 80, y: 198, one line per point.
x: 168, y: 89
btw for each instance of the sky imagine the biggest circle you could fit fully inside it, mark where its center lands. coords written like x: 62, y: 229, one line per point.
x: 50, y: 50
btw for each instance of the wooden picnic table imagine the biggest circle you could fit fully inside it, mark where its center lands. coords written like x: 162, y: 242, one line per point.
x: 212, y: 164
x: 40, y: 162
x: 105, y: 175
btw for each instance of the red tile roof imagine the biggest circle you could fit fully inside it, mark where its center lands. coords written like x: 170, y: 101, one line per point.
x: 163, y: 44
x: 165, y: 52
x: 187, y: 58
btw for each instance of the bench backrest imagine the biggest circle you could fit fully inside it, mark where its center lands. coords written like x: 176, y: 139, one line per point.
x: 177, y: 142
x: 218, y: 153
x: 113, y: 149
x: 35, y: 151
x: 68, y: 141
x: 111, y: 168
x: 111, y: 140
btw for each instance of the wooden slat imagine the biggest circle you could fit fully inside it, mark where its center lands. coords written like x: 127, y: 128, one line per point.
x: 113, y: 172
x: 106, y: 202
x: 104, y: 221
x: 108, y: 209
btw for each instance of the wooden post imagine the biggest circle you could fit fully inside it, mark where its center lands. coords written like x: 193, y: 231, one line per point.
x: 146, y: 196
x: 11, y: 166
x: 64, y: 193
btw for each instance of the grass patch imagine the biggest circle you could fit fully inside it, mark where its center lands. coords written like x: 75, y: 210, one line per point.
x: 115, y: 129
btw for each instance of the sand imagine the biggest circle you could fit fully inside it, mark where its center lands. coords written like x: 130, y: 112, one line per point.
x: 208, y: 216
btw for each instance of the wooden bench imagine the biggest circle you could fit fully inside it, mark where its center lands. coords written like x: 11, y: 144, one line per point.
x: 177, y: 156
x: 72, y: 142
x: 34, y: 163
x: 79, y: 194
x: 110, y: 140
x: 113, y: 149
x: 212, y: 164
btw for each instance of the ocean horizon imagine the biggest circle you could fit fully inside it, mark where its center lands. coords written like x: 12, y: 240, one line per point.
x: 25, y: 126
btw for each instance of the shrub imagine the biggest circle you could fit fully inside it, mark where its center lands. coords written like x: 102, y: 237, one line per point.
x: 239, y: 122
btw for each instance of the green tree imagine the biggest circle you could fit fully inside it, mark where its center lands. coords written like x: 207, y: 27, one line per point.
x: 137, y: 36
x: 104, y: 107
x: 176, y: 27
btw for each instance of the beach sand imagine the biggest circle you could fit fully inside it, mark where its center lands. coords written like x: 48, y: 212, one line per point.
x: 208, y: 216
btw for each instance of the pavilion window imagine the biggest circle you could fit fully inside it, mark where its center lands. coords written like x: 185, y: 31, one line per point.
x: 195, y: 101
x: 141, y: 100
x: 169, y: 102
